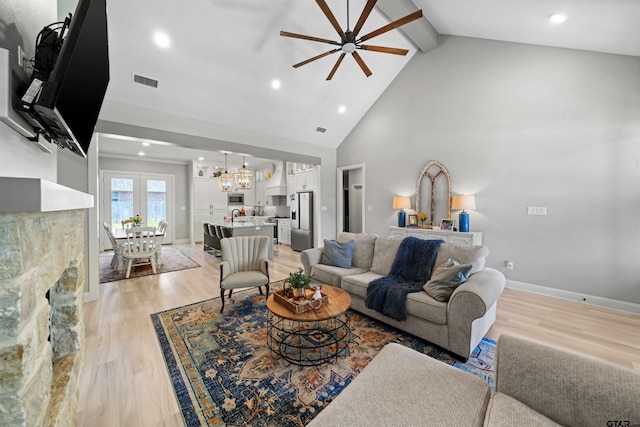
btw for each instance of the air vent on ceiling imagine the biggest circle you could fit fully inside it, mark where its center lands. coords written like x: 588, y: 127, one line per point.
x: 146, y: 81
x: 321, y: 130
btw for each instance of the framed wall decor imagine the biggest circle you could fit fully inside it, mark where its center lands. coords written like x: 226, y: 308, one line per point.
x: 413, y: 220
x: 447, y: 224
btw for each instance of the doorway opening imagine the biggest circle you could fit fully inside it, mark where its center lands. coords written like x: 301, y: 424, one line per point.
x: 351, y: 200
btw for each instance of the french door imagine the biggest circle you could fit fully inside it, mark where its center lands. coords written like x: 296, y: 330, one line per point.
x: 126, y: 194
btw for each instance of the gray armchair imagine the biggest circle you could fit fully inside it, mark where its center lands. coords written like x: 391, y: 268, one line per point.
x: 244, y: 264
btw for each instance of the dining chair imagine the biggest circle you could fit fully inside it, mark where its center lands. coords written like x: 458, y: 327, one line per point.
x: 141, y: 248
x: 118, y: 248
x: 244, y: 264
x: 162, y: 228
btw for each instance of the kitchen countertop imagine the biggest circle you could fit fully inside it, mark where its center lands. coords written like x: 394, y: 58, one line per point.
x: 241, y: 224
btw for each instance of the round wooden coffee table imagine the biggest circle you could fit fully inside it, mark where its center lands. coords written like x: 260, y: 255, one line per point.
x: 313, y: 337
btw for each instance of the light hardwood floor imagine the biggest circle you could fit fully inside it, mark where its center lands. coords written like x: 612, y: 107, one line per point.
x: 125, y: 383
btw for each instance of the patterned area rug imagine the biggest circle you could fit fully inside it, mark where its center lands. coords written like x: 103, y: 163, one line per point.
x: 172, y: 260
x: 223, y: 373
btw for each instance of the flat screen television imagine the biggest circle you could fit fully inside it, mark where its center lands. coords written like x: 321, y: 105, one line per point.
x: 68, y: 105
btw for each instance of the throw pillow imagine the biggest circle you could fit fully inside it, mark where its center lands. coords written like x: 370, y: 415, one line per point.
x: 474, y: 255
x: 337, y: 254
x: 445, y: 279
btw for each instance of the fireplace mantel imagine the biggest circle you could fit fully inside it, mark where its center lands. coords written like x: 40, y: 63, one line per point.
x: 39, y: 195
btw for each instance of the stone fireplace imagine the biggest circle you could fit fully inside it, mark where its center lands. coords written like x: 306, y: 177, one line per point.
x: 41, y: 329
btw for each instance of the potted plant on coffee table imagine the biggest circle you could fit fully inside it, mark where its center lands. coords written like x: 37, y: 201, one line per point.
x: 298, y: 282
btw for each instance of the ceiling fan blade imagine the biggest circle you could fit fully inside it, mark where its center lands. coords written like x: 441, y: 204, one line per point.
x: 322, y: 55
x: 361, y: 63
x: 335, y: 67
x: 325, y: 8
x: 383, y: 49
x: 363, y: 16
x: 393, y: 25
x: 303, y: 37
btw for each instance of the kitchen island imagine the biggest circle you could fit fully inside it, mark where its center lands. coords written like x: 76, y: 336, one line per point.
x: 250, y: 228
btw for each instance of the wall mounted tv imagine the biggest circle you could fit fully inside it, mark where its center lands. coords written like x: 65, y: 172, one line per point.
x: 66, y: 105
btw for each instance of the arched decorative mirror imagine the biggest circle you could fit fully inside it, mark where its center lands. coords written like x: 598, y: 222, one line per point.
x: 438, y: 194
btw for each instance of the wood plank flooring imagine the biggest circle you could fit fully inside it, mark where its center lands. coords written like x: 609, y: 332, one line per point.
x: 125, y: 383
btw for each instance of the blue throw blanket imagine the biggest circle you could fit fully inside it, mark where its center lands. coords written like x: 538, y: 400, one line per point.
x: 409, y: 272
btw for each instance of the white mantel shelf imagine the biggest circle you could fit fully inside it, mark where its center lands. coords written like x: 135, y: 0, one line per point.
x: 39, y: 195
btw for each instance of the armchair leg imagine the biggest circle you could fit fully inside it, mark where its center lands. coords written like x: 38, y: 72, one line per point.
x: 267, y: 293
x: 260, y: 289
x: 222, y: 299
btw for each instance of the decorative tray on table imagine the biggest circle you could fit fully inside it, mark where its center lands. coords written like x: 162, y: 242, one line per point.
x: 285, y: 298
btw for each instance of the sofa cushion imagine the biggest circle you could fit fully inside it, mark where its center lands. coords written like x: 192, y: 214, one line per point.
x: 446, y: 278
x: 333, y: 275
x: 357, y: 285
x: 337, y: 253
x: 384, y: 253
x: 475, y: 255
x: 419, y: 304
x: 505, y: 411
x: 362, y: 250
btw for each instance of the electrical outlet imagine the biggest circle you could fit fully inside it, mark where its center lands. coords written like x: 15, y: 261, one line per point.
x: 536, y: 210
x: 509, y: 265
x: 370, y: 208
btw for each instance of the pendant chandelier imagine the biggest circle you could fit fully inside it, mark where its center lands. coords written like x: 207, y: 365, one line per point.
x: 225, y: 180
x: 244, y: 177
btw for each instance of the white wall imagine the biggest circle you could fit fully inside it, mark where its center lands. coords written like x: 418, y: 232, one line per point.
x: 519, y: 125
x: 20, y: 23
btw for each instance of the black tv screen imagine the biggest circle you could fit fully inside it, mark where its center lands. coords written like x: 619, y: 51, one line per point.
x: 71, y: 99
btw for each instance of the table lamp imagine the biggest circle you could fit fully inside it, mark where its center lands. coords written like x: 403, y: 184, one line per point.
x: 401, y: 202
x: 463, y: 202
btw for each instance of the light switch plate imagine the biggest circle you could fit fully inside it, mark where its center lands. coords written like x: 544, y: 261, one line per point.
x: 536, y: 210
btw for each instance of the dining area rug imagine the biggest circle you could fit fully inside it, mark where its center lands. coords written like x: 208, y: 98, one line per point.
x: 223, y: 373
x: 172, y: 260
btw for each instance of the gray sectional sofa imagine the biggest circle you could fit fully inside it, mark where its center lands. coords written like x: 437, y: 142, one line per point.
x: 457, y: 325
x: 534, y: 386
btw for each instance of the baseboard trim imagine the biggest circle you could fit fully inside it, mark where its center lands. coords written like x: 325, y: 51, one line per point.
x: 597, y: 301
x: 181, y: 242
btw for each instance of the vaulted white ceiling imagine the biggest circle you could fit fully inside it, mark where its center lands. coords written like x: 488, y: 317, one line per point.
x: 224, y: 55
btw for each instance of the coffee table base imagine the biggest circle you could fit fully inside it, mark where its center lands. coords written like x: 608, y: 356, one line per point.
x: 309, y: 343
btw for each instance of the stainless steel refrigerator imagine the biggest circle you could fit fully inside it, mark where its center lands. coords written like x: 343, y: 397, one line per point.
x: 302, y: 221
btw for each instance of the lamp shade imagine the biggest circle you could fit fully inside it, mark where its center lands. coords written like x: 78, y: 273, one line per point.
x: 463, y: 202
x: 401, y: 202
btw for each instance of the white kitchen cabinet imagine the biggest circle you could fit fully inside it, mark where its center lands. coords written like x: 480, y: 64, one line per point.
x: 261, y: 197
x: 284, y: 232
x: 469, y: 238
x: 207, y: 194
x: 250, y: 196
x: 306, y: 181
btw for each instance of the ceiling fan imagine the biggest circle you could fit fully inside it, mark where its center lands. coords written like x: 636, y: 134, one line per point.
x: 349, y: 40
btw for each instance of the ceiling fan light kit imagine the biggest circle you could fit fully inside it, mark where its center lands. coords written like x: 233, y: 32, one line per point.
x: 349, y: 41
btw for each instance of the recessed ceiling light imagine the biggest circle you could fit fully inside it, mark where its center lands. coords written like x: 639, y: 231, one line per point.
x: 342, y: 109
x: 557, y: 18
x: 275, y: 84
x: 162, y: 39
x: 140, y: 153
x: 146, y: 144
x: 201, y: 158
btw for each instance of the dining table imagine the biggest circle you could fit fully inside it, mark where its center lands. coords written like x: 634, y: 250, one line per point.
x: 121, y: 233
